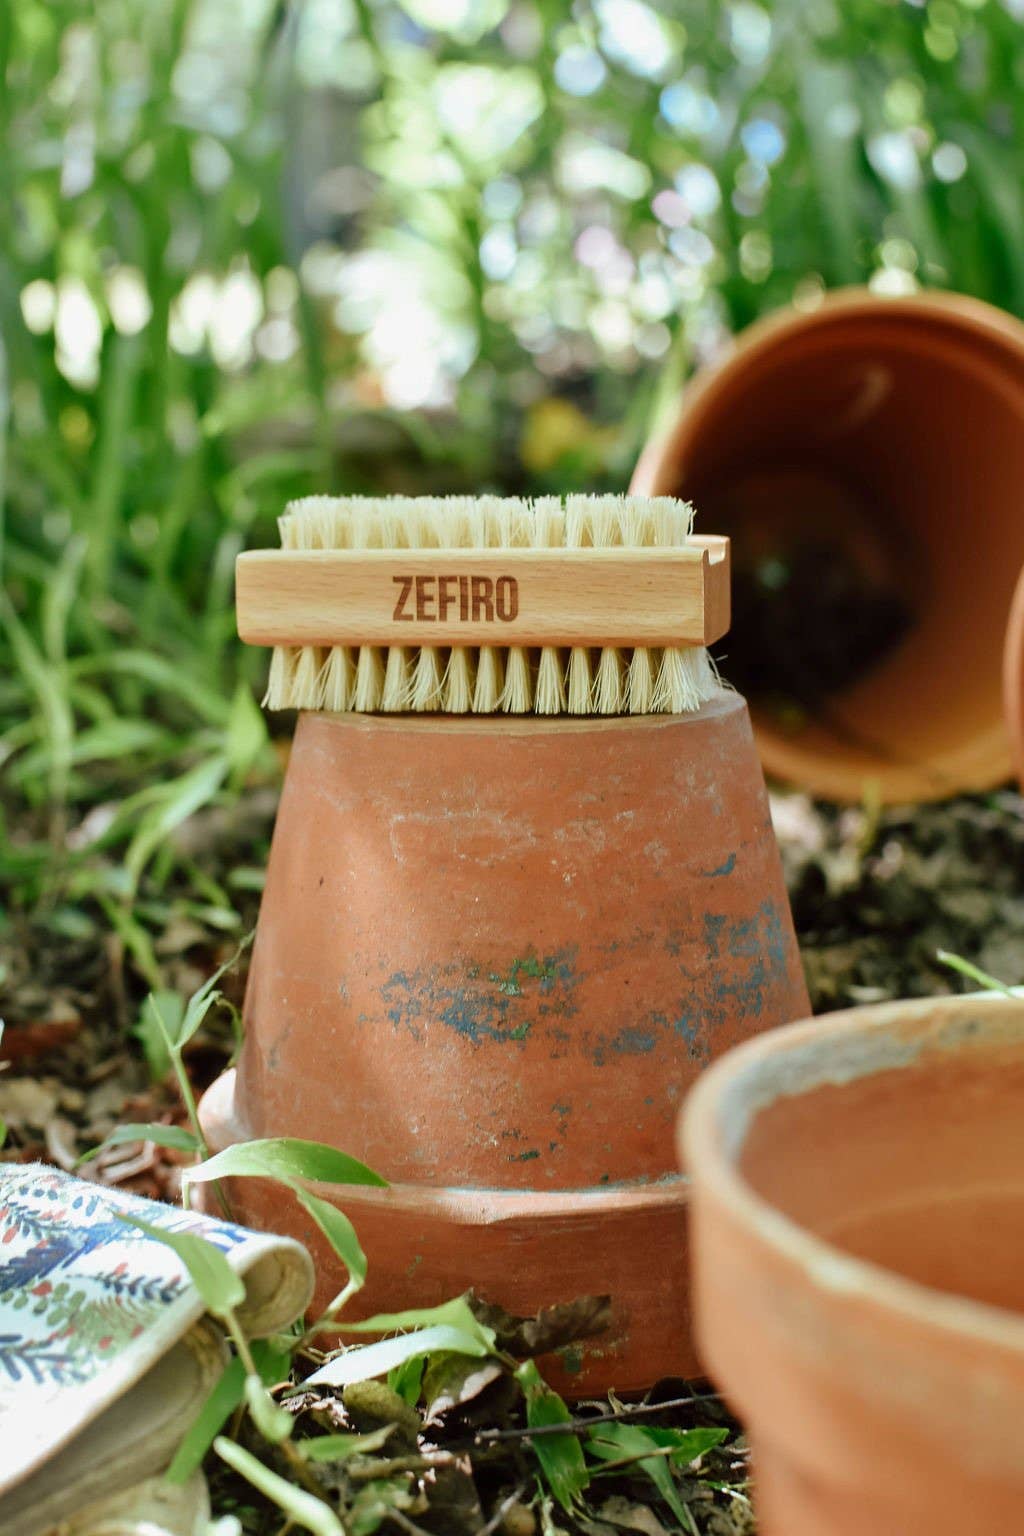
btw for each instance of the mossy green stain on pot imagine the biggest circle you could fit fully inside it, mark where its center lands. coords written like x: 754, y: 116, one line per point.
x: 480, y: 1004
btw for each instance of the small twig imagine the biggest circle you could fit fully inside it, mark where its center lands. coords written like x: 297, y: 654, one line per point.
x: 388, y: 1466
x: 580, y: 1426
x: 404, y: 1523
x: 502, y: 1510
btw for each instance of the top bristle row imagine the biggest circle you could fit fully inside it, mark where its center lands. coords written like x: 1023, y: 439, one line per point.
x: 485, y: 522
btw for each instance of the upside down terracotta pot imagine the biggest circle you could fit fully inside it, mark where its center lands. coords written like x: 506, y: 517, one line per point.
x: 492, y: 956
x: 858, y: 1216
x: 882, y: 438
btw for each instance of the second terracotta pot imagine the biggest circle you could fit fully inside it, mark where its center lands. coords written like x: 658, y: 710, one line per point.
x: 859, y: 1265
x: 883, y: 439
x: 492, y: 956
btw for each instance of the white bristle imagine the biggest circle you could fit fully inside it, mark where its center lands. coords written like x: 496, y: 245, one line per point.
x: 549, y: 695
x: 428, y: 680
x: 305, y: 678
x: 578, y: 682
x: 517, y: 694
x: 398, y: 669
x: 369, y: 690
x: 687, y: 678
x: 459, y: 680
x: 609, y: 693
x: 337, y: 685
x: 279, y: 683
x: 642, y: 678
x: 489, y: 679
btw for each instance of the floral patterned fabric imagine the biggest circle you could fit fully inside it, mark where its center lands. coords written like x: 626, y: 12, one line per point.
x: 88, y: 1302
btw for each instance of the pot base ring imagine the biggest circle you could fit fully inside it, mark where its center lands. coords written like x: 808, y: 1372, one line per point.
x: 521, y: 1249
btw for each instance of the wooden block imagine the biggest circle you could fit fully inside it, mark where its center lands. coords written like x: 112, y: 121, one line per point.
x: 503, y: 597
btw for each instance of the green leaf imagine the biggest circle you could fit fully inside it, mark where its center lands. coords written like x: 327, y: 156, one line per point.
x: 224, y: 1398
x: 378, y: 1359
x: 975, y: 973
x: 158, y: 1027
x: 180, y: 798
x: 653, y: 1449
x: 204, y: 997
x: 341, y: 1235
x: 211, y: 1274
x: 286, y: 1158
x: 48, y: 682
x: 175, y: 1136
x: 561, y: 1458
x: 375, y: 1501
x: 182, y: 682
x: 272, y: 1421
x: 246, y: 732
x: 407, y: 1380
x: 341, y: 1447
x: 302, y: 1508
x: 686, y: 1445
x: 456, y: 1313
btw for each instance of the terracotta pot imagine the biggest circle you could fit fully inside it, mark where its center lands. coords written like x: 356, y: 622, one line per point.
x: 1013, y: 679
x: 858, y: 1212
x: 492, y: 956
x: 887, y: 434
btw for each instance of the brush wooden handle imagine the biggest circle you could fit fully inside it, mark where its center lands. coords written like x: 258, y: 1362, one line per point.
x: 504, y: 597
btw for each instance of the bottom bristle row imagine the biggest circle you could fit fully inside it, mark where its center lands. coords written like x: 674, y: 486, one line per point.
x: 489, y: 681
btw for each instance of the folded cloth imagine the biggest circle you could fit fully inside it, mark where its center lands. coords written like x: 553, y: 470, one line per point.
x: 92, y: 1309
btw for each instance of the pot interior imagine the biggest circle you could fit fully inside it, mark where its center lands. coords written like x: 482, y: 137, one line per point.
x: 914, y: 1162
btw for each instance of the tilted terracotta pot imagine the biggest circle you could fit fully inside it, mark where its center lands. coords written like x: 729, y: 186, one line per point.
x: 892, y: 429
x: 492, y: 956
x: 858, y: 1215
x: 1013, y: 679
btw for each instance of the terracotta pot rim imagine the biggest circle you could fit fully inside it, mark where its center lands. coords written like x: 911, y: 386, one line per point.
x: 949, y: 311
x: 1013, y: 679
x: 836, y: 1048
x: 469, y: 1204
x: 725, y: 699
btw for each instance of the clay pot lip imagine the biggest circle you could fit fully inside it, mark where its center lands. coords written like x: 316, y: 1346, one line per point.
x: 471, y: 1204
x: 837, y: 1048
x: 725, y: 701
x: 950, y: 314
x: 1013, y: 679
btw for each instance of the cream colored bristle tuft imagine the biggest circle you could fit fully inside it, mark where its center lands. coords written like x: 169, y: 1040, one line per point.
x: 369, y: 690
x: 398, y: 670
x: 579, y: 683
x: 549, y: 681
x: 338, y: 678
x: 687, y: 678
x: 490, y: 681
x: 305, y: 678
x: 428, y: 679
x: 459, y: 681
x: 549, y: 695
x: 609, y: 693
x: 279, y: 683
x: 517, y: 694
x: 642, y: 679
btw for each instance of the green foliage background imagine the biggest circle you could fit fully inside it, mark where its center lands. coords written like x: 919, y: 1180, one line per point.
x: 250, y: 250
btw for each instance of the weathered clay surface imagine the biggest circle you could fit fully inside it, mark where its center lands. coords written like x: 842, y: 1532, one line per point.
x: 859, y: 1265
x: 491, y: 958
x: 899, y: 414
